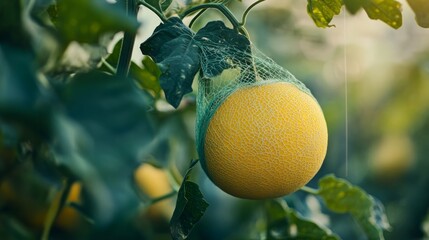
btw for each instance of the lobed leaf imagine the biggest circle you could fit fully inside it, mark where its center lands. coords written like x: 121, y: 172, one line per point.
x: 342, y: 197
x: 322, y: 11
x: 214, y: 35
x: 173, y: 47
x: 181, y: 53
x: 286, y: 223
x: 190, y: 207
x: 388, y: 11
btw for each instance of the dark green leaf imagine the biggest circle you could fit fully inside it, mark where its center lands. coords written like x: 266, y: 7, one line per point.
x: 11, y: 28
x: 353, y: 6
x: 87, y: 20
x: 216, y: 35
x: 285, y: 223
x: 388, y: 11
x: 342, y: 197
x: 173, y: 48
x: 104, y: 134
x: 421, y: 9
x: 322, y: 11
x: 180, y: 53
x: 190, y: 207
x: 22, y: 99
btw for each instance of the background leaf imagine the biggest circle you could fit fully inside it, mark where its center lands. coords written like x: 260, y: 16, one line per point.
x: 322, y: 11
x: 11, y: 29
x: 190, y: 207
x: 146, y: 77
x: 286, y: 223
x: 102, y: 111
x: 388, y: 11
x: 353, y: 6
x: 342, y: 197
x: 421, y: 9
x: 22, y: 99
x: 87, y: 20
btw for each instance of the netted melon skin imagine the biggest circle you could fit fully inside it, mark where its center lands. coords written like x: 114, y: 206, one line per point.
x: 265, y: 141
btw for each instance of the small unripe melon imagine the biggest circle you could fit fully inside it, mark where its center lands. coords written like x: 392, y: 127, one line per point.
x: 265, y: 141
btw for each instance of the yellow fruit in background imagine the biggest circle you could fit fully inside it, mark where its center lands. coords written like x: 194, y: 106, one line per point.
x: 154, y: 183
x: 392, y: 157
x: 265, y: 141
x: 69, y: 217
x: 33, y: 213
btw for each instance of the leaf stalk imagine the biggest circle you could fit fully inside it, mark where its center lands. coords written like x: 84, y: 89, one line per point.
x: 127, y: 44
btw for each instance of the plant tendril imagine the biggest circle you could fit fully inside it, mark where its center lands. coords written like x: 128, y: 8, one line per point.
x: 153, y: 9
x: 220, y: 7
x: 196, y: 17
x: 246, y: 13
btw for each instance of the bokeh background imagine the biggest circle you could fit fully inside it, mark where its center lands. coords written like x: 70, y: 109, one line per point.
x: 372, y: 83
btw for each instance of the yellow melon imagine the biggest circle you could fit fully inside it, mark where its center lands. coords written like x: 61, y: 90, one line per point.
x: 265, y: 141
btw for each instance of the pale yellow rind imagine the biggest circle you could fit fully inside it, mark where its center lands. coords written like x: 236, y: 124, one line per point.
x: 265, y: 141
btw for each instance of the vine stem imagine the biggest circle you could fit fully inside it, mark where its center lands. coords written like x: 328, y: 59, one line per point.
x: 154, y: 10
x: 56, y: 207
x: 127, y: 44
x: 163, y: 197
x: 246, y: 13
x: 310, y: 190
x: 220, y: 7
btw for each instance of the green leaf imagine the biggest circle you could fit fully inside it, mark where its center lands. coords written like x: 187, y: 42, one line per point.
x: 322, y: 11
x: 22, y: 99
x: 147, y: 77
x: 342, y: 197
x: 11, y: 28
x: 421, y: 9
x: 180, y: 53
x: 173, y: 48
x: 388, y: 11
x: 237, y: 48
x: 190, y: 207
x: 353, y: 6
x: 87, y: 20
x: 102, y: 136
x: 286, y: 223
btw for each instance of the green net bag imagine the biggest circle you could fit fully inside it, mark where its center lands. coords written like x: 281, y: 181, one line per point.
x: 256, y: 69
x: 235, y: 160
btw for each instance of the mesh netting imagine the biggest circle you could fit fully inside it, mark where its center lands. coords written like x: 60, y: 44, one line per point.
x: 242, y: 69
